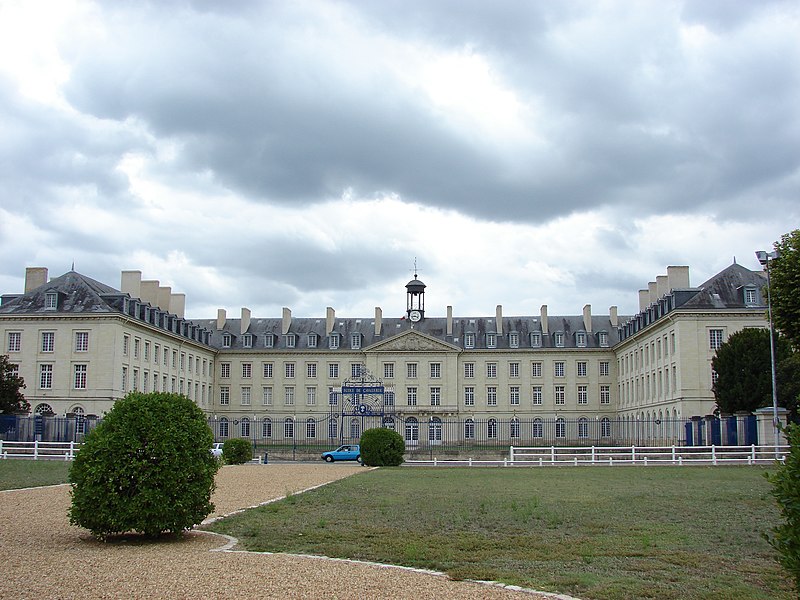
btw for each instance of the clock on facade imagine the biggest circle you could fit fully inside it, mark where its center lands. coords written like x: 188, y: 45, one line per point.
x: 415, y: 315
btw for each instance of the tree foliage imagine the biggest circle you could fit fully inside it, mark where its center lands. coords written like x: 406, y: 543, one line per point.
x: 785, y: 287
x: 11, y: 386
x: 744, y: 372
x: 147, y: 467
x: 381, y: 447
x: 785, y: 482
x: 237, y: 451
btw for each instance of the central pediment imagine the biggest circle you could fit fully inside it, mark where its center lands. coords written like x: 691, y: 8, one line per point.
x: 412, y: 341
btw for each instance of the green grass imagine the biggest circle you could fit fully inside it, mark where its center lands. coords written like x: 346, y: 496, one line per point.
x: 596, y: 533
x: 15, y: 474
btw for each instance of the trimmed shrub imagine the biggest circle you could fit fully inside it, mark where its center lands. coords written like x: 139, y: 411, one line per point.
x: 147, y: 467
x: 237, y: 451
x: 381, y: 447
x: 785, y: 482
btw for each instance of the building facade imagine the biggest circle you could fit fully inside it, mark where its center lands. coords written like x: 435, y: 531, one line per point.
x: 81, y: 345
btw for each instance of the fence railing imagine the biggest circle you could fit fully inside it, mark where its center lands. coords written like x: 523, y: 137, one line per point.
x: 38, y: 450
x: 623, y: 455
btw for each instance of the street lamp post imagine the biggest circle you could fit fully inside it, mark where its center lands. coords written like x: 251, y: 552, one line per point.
x: 764, y: 258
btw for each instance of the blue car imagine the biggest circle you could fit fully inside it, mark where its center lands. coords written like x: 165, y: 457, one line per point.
x: 346, y: 452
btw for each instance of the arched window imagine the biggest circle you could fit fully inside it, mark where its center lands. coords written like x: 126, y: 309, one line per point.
x: 583, y: 427
x: 333, y: 428
x: 355, y: 428
x: 491, y: 429
x: 435, y: 430
x: 515, y: 428
x: 223, y: 427
x: 412, y: 430
x: 561, y: 427
x: 266, y: 428
x: 311, y: 428
x: 288, y: 428
x: 469, y: 429
x: 605, y: 427
x: 80, y: 419
x: 538, y: 428
x: 43, y: 409
x: 244, y: 428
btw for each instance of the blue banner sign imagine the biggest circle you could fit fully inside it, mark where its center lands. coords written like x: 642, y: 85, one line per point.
x: 362, y: 389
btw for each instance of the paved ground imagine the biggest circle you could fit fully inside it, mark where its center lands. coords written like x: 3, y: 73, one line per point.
x: 42, y: 556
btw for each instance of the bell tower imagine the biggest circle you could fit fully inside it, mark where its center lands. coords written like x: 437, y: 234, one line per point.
x: 415, y: 299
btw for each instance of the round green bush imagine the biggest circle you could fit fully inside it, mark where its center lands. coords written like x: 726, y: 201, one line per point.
x: 381, y: 447
x: 147, y: 467
x: 237, y: 451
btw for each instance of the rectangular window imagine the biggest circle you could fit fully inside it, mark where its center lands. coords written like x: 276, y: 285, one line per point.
x: 333, y: 396
x: 245, y: 395
x: 436, y: 396
x: 582, y: 368
x: 146, y: 347
x: 436, y: 370
x: 469, y: 396
x: 411, y: 396
x: 269, y: 341
x: 469, y: 340
x: 224, y: 395
x: 602, y: 338
x: 355, y: 341
x: 536, y: 340
x: 333, y: 342
x: 267, y: 370
x: 156, y: 353
x: 411, y: 370
x: 559, y: 394
x: 580, y: 339
x: 491, y: 396
x: 749, y: 296
x: 491, y: 370
x: 247, y: 341
x: 513, y: 340
x: 605, y: 394
x: 136, y: 344
x: 388, y: 398
x: 559, y: 339
x: 266, y: 395
x: 469, y: 370
x: 536, y: 369
x: 312, y: 340
x: 80, y: 376
x: 126, y: 342
x: 225, y: 370
x: 583, y: 394
x: 536, y: 395
x: 247, y: 370
x: 288, y: 396
x: 356, y: 369
x: 166, y: 355
x: 311, y: 396
x: 125, y: 379
x: 558, y: 369
x: 45, y: 377
x: 174, y: 359
x: 135, y: 380
x: 388, y: 370
x: 288, y: 370
x: 333, y: 370
x: 51, y: 301
x: 715, y: 338
x: 513, y: 369
x: 289, y: 340
x: 48, y: 341
x: 604, y: 368
x: 311, y: 370
x: 513, y: 395
x: 491, y: 340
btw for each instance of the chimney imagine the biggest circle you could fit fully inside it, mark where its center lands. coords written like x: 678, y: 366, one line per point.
x: 177, y: 304
x: 164, y: 299
x: 149, y: 291
x: 652, y: 292
x: 35, y: 277
x: 613, y: 317
x: 662, y: 286
x: 378, y: 320
x: 587, y: 318
x: 286, y: 323
x: 131, y: 283
x: 644, y: 300
x: 678, y: 277
x: 450, y: 320
x: 221, y: 318
x: 245, y: 325
x: 499, y: 318
x: 545, y: 328
x: 330, y: 320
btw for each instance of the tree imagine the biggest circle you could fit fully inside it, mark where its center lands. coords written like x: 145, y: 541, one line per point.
x: 744, y: 372
x: 785, y: 482
x: 237, y: 451
x: 381, y: 447
x: 147, y: 467
x: 784, y: 274
x: 11, y: 386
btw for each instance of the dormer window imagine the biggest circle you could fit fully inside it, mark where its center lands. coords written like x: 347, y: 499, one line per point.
x: 580, y: 339
x: 51, y: 301
x: 469, y: 340
x: 312, y: 340
x: 536, y: 340
x: 750, y: 297
x: 247, y: 341
x: 333, y: 341
x: 269, y: 340
x: 513, y: 340
x: 602, y: 339
x: 226, y: 340
x: 355, y: 341
x: 491, y: 340
x: 558, y: 338
x: 289, y: 340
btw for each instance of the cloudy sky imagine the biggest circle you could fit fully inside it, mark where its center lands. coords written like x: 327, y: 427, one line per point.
x: 306, y: 153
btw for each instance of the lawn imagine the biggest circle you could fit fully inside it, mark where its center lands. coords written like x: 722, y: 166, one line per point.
x: 596, y: 533
x: 15, y: 474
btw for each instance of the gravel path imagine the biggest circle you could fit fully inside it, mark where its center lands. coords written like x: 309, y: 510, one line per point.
x: 44, y: 557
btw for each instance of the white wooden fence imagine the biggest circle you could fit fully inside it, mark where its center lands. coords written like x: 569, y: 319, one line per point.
x: 546, y: 456
x: 39, y: 450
